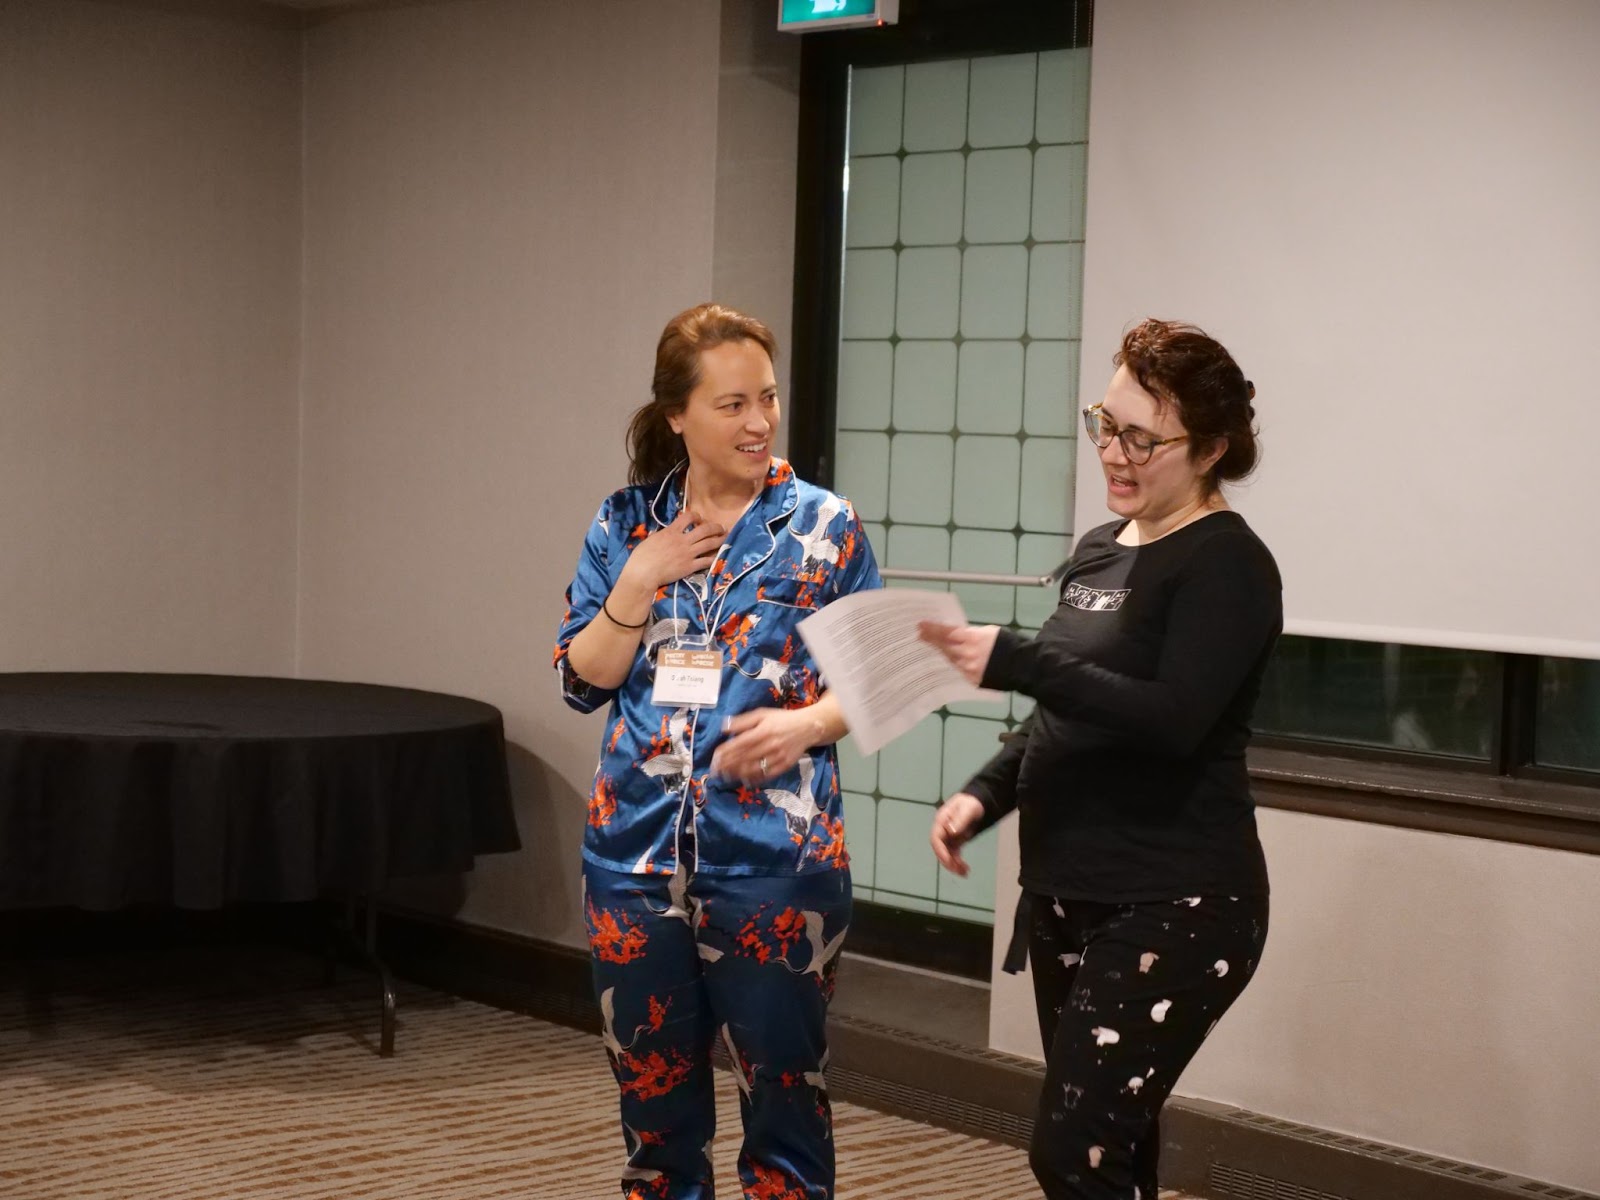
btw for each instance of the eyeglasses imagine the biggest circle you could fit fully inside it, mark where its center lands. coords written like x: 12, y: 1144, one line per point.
x: 1136, y: 444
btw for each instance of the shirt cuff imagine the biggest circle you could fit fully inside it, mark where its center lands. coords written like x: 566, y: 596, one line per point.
x: 997, y: 672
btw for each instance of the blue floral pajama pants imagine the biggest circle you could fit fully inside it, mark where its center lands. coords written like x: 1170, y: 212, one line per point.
x: 682, y: 961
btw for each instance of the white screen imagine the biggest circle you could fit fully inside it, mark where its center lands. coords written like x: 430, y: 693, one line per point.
x: 1390, y: 214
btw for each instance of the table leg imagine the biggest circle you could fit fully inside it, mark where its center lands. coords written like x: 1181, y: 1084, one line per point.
x: 385, y: 982
x: 365, y: 947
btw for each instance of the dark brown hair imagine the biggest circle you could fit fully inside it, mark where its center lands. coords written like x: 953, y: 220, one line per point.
x: 653, y: 449
x: 1181, y: 365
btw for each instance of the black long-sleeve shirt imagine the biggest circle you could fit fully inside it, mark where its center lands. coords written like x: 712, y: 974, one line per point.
x: 1130, y: 774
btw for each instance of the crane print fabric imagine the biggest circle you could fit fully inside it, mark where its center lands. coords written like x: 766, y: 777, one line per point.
x: 798, y: 548
x: 716, y: 910
x: 748, y: 962
x: 1126, y: 993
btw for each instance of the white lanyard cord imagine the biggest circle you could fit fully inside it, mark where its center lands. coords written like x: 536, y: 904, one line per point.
x: 713, y: 623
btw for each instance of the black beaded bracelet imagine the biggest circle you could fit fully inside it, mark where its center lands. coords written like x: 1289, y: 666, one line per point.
x: 622, y: 624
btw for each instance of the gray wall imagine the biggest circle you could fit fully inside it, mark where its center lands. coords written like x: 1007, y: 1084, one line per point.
x: 758, y: 110
x: 505, y: 202
x: 149, y: 339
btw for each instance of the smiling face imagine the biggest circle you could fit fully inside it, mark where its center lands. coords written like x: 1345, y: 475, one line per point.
x: 1172, y: 482
x: 732, y: 416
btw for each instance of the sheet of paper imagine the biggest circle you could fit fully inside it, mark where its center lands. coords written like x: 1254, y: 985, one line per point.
x: 886, y: 677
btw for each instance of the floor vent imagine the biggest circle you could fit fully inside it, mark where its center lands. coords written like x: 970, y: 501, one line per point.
x: 1552, y: 1191
x: 911, y: 1038
x: 945, y: 1111
x: 1378, y: 1149
x: 1230, y: 1183
x: 1234, y: 1183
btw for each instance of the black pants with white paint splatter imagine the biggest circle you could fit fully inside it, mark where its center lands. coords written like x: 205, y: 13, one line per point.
x: 1126, y: 993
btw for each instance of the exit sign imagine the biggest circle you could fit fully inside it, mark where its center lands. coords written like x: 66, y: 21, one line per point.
x: 802, y: 16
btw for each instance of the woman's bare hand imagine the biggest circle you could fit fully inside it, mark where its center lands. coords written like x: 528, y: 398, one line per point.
x: 674, y: 551
x: 953, y: 824
x: 763, y: 744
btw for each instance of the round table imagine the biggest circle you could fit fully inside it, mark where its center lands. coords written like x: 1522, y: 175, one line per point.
x: 201, y: 790
x: 197, y: 790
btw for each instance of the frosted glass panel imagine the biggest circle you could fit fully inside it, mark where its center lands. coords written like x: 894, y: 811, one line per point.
x: 875, y: 98
x: 936, y: 106
x: 868, y: 294
x: 989, y: 387
x: 919, y: 547
x: 860, y: 834
x: 872, y: 217
x: 994, y: 292
x: 969, y: 743
x: 1063, y: 96
x: 1047, y: 484
x: 1055, y: 291
x: 1037, y: 554
x: 877, y: 537
x: 957, y: 406
x: 921, y: 474
x: 858, y: 772
x: 990, y: 552
x: 866, y: 382
x: 931, y: 199
x: 858, y: 472
x: 909, y: 766
x: 986, y: 481
x: 1051, y: 405
x: 1002, y: 100
x: 907, y: 874
x: 999, y: 195
x: 929, y: 293
x: 1059, y: 176
x: 925, y: 386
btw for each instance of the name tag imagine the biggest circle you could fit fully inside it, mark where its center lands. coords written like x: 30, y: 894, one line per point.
x: 687, y: 677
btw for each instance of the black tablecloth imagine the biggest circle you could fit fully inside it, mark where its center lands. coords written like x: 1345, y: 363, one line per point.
x: 198, y: 790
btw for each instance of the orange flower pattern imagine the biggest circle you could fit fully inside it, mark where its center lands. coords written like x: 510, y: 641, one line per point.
x: 798, y: 548
x: 751, y: 961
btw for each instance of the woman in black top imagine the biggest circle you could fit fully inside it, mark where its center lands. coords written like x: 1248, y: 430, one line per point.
x: 1144, y: 888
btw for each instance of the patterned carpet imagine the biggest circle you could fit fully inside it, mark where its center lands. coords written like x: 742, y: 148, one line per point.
x: 155, y: 1083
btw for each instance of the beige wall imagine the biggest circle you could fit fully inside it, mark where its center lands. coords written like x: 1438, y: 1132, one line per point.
x: 505, y: 202
x: 758, y: 116
x: 149, y: 326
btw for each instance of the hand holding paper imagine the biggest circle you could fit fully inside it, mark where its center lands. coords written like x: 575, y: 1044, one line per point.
x: 886, y: 677
x: 966, y: 646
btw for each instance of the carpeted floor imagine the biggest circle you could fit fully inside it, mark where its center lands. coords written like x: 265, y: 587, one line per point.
x: 155, y: 1081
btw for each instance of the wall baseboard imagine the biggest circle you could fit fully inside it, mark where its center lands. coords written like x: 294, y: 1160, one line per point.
x: 1213, y: 1150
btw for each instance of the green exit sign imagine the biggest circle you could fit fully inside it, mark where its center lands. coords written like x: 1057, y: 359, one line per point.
x: 802, y: 16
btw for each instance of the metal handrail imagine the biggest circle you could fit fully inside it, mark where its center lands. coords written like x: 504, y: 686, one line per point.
x: 1050, y: 580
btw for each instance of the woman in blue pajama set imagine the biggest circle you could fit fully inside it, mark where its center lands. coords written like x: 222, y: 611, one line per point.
x: 717, y: 887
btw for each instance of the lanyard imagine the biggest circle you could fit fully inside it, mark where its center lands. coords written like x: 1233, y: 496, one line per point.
x: 714, y: 621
